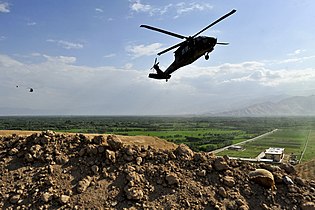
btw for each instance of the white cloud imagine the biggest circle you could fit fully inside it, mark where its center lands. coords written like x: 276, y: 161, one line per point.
x: 180, y: 8
x: 128, y: 66
x: 296, y: 59
x: 296, y: 52
x: 60, y: 59
x: 245, y: 73
x: 62, y: 87
x: 31, y: 23
x: 66, y: 44
x: 137, y: 6
x: 99, y: 10
x: 6, y: 61
x: 109, y: 55
x: 2, y: 38
x: 4, y: 7
x: 144, y: 50
x: 184, y: 7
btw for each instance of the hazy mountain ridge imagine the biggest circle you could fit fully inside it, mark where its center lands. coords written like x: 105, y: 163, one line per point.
x: 292, y: 106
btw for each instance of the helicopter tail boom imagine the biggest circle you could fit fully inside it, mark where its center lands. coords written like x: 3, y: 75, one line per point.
x: 159, y: 76
x: 159, y: 73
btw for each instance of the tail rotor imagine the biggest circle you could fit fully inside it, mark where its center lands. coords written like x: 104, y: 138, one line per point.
x: 155, y: 65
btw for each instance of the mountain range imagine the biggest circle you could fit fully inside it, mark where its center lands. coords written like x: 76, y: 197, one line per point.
x: 266, y: 106
x: 291, y: 106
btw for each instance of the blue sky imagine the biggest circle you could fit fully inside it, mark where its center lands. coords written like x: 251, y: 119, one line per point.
x: 91, y: 57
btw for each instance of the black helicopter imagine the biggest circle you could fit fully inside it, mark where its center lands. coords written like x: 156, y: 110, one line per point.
x: 29, y: 88
x: 188, y: 51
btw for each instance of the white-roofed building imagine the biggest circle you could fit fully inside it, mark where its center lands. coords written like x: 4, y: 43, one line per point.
x: 275, y: 154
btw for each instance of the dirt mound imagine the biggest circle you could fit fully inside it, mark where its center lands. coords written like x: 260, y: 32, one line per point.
x: 50, y: 170
x: 307, y: 170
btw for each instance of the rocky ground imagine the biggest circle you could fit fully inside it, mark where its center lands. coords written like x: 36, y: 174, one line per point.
x: 48, y: 170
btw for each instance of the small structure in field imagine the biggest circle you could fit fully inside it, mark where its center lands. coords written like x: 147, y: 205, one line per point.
x: 274, y: 154
x: 235, y: 147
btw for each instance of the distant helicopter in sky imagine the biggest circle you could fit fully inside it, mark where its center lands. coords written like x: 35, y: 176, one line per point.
x: 29, y: 88
x: 188, y: 51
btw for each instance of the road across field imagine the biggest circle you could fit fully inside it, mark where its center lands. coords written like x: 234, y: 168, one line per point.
x: 244, y: 142
x: 305, y: 146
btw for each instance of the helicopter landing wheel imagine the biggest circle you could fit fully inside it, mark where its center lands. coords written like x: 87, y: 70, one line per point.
x: 207, y: 56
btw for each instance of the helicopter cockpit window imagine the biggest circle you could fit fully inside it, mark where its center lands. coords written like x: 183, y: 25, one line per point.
x: 185, y: 49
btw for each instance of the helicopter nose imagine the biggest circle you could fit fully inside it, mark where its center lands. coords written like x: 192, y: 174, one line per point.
x: 212, y: 41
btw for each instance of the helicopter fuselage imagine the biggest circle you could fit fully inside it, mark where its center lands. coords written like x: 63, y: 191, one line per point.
x: 189, y: 52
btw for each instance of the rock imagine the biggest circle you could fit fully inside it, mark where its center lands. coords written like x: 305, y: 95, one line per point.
x: 130, y: 151
x: 95, y: 169
x: 139, y: 160
x: 100, y: 149
x: 114, y: 142
x: 13, y: 151
x: 264, y: 206
x: 134, y: 177
x: 35, y: 149
x: 287, y: 180
x: 229, y: 181
x: 202, y: 173
x: 222, y: 192
x: 110, y: 155
x: 262, y: 177
x: 28, y: 157
x: 98, y: 140
x: 84, y: 184
x: 172, y: 179
x: 62, y: 159
x: 278, y: 177
x: 243, y: 207
x: 82, y: 152
x: 49, y: 133
x: 91, y: 149
x: 14, y: 199
x: 43, y: 139
x: 270, y: 167
x: 46, y: 197
x: 184, y: 151
x: 308, y: 206
x: 134, y: 193
x: 288, y: 168
x: 200, y: 157
x: 300, y: 181
x: 64, y: 199
x: 220, y: 164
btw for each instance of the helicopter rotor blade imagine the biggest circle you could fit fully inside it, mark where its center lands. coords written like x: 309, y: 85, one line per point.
x: 215, y: 22
x: 223, y: 43
x: 170, y: 48
x: 164, y: 31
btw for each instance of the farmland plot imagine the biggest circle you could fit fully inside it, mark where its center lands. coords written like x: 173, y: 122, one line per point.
x: 292, y: 140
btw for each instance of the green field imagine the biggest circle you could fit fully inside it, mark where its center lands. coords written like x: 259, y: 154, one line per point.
x: 310, y: 147
x: 199, y: 133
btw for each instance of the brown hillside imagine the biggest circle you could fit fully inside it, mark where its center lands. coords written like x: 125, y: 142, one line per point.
x: 50, y: 170
x: 306, y: 170
x: 129, y: 140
